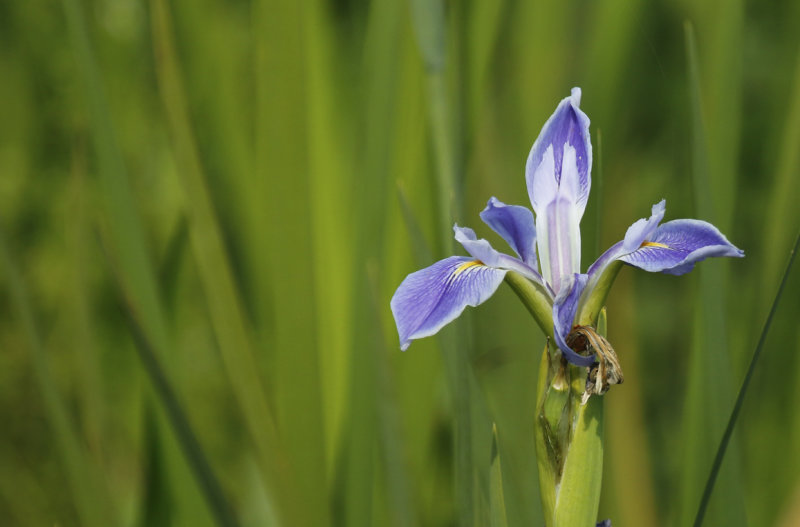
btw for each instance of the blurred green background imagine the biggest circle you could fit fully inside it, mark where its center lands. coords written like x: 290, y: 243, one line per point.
x: 205, y: 207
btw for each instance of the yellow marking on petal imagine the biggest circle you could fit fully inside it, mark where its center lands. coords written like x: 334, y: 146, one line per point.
x: 654, y: 244
x: 466, y: 265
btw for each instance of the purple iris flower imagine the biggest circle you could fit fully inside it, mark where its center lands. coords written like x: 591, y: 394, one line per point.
x: 558, y: 177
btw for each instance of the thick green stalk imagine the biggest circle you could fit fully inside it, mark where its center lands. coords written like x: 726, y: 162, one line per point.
x: 535, y: 298
x: 568, y: 435
x: 578, y: 496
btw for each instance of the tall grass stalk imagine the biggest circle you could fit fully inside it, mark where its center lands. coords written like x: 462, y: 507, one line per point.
x: 708, y: 395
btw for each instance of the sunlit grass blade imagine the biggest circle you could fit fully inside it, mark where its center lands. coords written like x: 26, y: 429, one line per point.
x: 332, y: 174
x: 726, y: 436
x: 90, y: 496
x: 708, y: 395
x: 782, y: 212
x: 302, y: 162
x: 226, y: 311
x: 387, y: 75
x: 722, y: 76
x: 429, y: 24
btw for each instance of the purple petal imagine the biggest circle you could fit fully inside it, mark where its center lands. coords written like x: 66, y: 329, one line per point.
x: 643, y: 228
x: 558, y: 177
x: 634, y: 237
x: 483, y: 251
x: 677, y: 245
x: 567, y: 126
x: 559, y: 239
x: 564, y: 308
x: 515, y: 225
x: 430, y: 298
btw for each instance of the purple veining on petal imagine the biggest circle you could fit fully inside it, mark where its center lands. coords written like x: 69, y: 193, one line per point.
x: 558, y: 176
x: 567, y: 126
x: 677, y: 245
x: 429, y: 299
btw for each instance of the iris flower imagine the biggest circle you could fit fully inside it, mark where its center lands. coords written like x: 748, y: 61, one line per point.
x: 558, y: 175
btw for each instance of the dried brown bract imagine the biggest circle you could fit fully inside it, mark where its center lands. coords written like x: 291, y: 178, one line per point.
x: 606, y: 370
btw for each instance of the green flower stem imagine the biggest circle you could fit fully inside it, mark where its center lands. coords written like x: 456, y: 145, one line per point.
x: 578, y: 496
x: 535, y: 298
x: 568, y: 435
x: 547, y: 477
x: 589, y: 311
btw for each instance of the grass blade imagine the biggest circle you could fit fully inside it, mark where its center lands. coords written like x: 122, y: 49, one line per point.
x: 598, y: 193
x: 420, y: 249
x: 227, y: 314
x: 126, y: 232
x: 429, y: 22
x: 781, y: 211
x: 708, y: 396
x: 387, y: 71
x: 201, y: 469
x: 90, y: 497
x: 726, y: 436
x: 496, y: 496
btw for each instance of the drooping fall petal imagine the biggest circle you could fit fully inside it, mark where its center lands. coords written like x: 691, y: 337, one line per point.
x: 430, y: 298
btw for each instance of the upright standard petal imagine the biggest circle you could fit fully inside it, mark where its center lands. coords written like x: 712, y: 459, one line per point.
x: 515, y: 225
x: 567, y: 126
x: 558, y: 177
x: 677, y: 245
x: 564, y: 308
x: 429, y: 299
x: 558, y: 217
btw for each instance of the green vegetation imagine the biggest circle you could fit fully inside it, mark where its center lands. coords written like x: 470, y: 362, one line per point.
x: 205, y: 207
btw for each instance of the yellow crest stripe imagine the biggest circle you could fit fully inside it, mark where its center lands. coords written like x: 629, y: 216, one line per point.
x: 466, y: 265
x: 654, y: 244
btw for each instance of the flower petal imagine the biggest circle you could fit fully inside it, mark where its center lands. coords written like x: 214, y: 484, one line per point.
x: 567, y: 126
x: 515, y: 225
x: 677, y: 245
x: 430, y: 298
x: 564, y: 309
x: 643, y: 228
x: 558, y: 176
x: 483, y: 251
x: 634, y: 237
